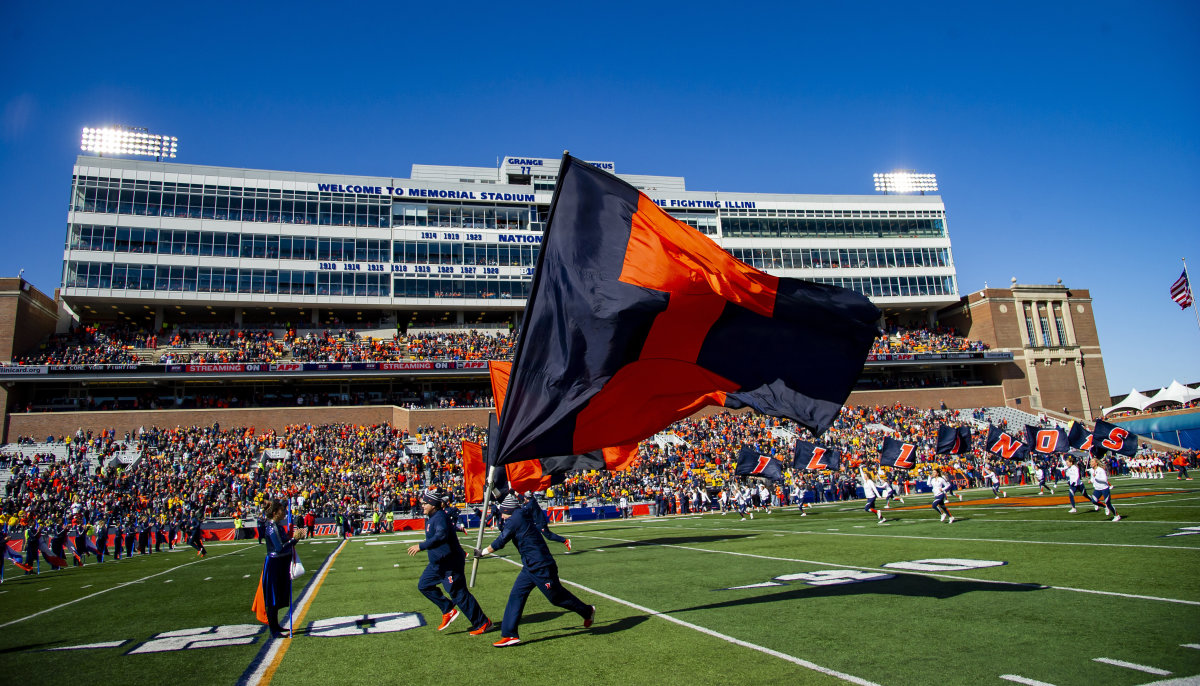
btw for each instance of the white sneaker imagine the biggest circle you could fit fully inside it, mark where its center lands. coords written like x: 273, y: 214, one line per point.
x: 951, y: 520
x: 996, y: 498
x: 943, y: 517
x: 751, y: 515
x: 1117, y: 518
x: 1004, y: 493
x: 902, y: 500
x: 881, y: 520
x: 1072, y: 510
x: 743, y: 519
x: 958, y: 494
x: 803, y: 514
x: 1095, y: 508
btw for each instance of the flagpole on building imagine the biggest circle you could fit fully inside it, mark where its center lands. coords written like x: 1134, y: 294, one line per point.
x: 1187, y: 276
x: 487, y: 500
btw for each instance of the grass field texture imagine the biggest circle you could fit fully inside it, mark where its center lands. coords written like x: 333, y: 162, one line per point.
x: 1015, y: 591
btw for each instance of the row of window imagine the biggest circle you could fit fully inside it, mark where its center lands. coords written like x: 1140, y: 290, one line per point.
x: 891, y: 286
x: 224, y: 280
x: 459, y: 216
x: 855, y: 214
x: 294, y: 282
x: 844, y: 258
x: 223, y: 244
x: 363, y: 210
x: 783, y: 227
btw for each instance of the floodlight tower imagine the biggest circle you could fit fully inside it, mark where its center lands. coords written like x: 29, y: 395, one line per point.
x: 126, y: 140
x: 905, y: 181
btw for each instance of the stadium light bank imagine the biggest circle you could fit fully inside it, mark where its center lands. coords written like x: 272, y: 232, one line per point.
x: 125, y: 140
x: 905, y: 181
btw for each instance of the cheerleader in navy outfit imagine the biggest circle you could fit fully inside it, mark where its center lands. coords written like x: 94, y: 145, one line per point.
x: 276, y: 574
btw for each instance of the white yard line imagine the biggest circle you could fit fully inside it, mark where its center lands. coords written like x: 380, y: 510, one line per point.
x: 940, y: 576
x: 87, y: 646
x: 1131, y: 665
x: 127, y: 583
x: 715, y: 634
x: 927, y: 538
x: 1024, y: 680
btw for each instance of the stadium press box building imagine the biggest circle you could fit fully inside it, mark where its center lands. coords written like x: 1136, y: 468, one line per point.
x: 159, y: 245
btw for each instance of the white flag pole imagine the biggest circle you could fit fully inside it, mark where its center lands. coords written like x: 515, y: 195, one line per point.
x: 483, y: 515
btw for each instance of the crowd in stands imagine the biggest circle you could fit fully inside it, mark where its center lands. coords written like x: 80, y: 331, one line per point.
x: 85, y: 345
x: 936, y: 340
x: 91, y: 344
x: 336, y: 468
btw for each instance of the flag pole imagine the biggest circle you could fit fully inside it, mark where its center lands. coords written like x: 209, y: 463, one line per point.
x: 1187, y: 276
x: 487, y: 499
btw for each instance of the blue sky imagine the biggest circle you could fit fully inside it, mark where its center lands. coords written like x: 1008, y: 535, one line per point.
x: 1064, y: 135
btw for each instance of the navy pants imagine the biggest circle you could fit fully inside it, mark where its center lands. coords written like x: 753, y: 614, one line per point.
x: 455, y: 582
x: 547, y: 582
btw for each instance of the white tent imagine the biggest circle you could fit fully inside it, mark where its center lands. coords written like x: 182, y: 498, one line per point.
x: 1133, y: 401
x: 1175, y: 393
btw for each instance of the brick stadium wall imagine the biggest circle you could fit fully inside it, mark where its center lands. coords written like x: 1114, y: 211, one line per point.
x: 26, y: 317
x: 41, y: 424
x: 925, y: 398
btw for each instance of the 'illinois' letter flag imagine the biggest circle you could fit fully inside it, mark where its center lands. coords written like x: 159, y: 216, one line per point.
x: 816, y: 457
x: 636, y: 320
x: 1047, y: 440
x: 898, y: 454
x: 1115, y: 438
x: 751, y: 463
x: 953, y: 440
x: 1079, y: 437
x: 1003, y: 445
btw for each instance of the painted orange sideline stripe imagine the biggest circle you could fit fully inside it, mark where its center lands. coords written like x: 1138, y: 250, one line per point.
x: 297, y: 619
x: 1031, y: 500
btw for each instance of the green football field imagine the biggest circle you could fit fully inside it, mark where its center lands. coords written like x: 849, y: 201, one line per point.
x: 1015, y: 591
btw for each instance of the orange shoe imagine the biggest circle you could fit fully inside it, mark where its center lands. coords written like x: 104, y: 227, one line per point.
x: 568, y: 544
x: 447, y: 618
x: 506, y: 641
x: 482, y: 628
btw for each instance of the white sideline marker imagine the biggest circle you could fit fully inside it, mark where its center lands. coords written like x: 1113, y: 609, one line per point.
x: 1195, y: 646
x: 1131, y: 665
x: 208, y: 578
x: 1024, y: 680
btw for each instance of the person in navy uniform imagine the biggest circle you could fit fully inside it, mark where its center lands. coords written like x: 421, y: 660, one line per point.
x: 276, y: 574
x: 540, y: 570
x: 541, y: 521
x: 196, y: 536
x: 130, y: 535
x: 447, y: 565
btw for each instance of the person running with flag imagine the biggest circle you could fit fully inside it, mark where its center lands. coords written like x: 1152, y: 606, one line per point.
x: 447, y: 565
x: 1040, y: 474
x: 1075, y: 483
x: 542, y: 522
x: 993, y: 479
x: 539, y: 570
x: 870, y: 492
x: 941, y: 487
x: 1102, y: 489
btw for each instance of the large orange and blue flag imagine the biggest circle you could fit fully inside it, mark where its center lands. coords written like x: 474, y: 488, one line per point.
x: 539, y: 474
x: 636, y: 320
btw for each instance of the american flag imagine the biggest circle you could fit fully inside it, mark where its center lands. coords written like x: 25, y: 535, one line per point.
x: 1181, y: 291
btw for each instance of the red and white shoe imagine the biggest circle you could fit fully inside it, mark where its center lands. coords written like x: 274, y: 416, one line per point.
x: 447, y: 618
x: 482, y: 628
x: 506, y: 641
x: 587, y: 623
x: 568, y: 544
